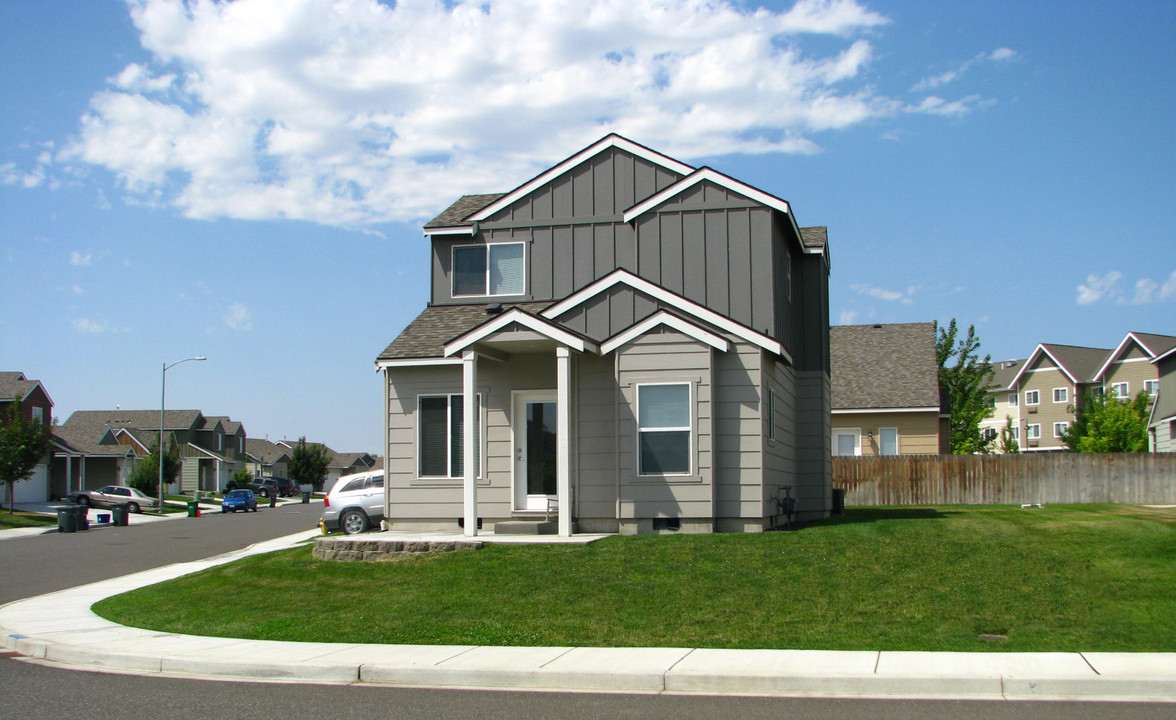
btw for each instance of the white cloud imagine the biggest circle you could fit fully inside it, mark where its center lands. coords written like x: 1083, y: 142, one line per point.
x: 78, y: 290
x: 238, y: 317
x: 90, y: 327
x: 998, y: 55
x: 847, y: 317
x: 905, y: 297
x: 1096, y: 287
x: 1149, y: 291
x: 358, y: 112
x: 78, y: 259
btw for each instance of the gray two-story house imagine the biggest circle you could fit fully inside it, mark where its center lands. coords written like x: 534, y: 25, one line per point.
x: 624, y: 343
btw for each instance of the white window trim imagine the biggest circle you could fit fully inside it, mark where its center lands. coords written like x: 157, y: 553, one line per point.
x: 448, y: 436
x: 1151, y: 387
x: 1065, y: 393
x: 1033, y: 431
x: 1036, y: 395
x: 857, y: 440
x: 771, y: 414
x: 1126, y: 389
x: 1014, y: 399
x: 1065, y: 426
x: 486, y: 247
x: 689, y: 429
x: 897, y: 442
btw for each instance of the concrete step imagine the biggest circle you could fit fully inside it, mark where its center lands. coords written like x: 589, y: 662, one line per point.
x: 527, y: 527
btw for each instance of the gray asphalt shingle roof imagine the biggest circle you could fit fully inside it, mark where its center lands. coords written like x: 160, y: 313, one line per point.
x: 884, y: 366
x: 425, y: 337
x: 1081, y: 362
x: 465, y: 206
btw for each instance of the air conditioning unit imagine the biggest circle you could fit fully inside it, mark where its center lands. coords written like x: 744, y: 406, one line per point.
x: 1032, y: 409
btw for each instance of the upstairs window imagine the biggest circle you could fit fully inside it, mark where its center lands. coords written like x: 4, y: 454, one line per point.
x: 1121, y: 389
x: 1061, y: 395
x: 488, y: 270
x: 1151, y: 387
x: 1032, y: 397
x: 1012, y: 399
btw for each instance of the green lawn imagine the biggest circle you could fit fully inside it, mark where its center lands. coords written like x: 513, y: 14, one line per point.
x: 1063, y: 578
x: 20, y: 519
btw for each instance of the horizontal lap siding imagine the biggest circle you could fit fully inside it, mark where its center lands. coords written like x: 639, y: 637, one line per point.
x: 739, y: 425
x: 918, y: 433
x: 661, y: 358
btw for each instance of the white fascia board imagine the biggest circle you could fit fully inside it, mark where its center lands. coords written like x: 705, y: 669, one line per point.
x: 415, y: 362
x: 1122, y: 346
x: 596, y: 148
x: 669, y: 320
x: 1039, y: 350
x: 929, y: 408
x: 675, y: 301
x: 123, y: 431
x: 207, y: 452
x: 717, y: 178
x: 527, y: 320
x: 454, y: 230
x: 1165, y: 356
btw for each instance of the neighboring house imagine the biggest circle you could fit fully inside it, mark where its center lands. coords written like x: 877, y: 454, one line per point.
x: 1162, y: 424
x: 340, y: 463
x: 886, y: 397
x: 624, y: 343
x: 266, y: 459
x: 1128, y: 369
x: 95, y: 443
x: 35, y: 404
x: 1049, y: 385
x: 1006, y: 404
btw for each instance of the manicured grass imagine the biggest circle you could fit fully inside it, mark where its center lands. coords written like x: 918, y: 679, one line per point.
x: 21, y: 519
x: 1063, y: 578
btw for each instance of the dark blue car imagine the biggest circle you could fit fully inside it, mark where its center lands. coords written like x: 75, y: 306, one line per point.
x: 239, y: 500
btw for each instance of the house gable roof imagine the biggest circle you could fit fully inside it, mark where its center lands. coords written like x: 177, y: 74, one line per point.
x: 536, y: 323
x: 875, y: 367
x: 1003, y: 373
x: 264, y: 451
x: 670, y: 320
x: 687, y: 308
x: 16, y: 385
x: 1077, y: 363
x: 1152, y: 346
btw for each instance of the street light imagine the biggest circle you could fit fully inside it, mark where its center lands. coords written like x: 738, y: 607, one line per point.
x: 162, y: 402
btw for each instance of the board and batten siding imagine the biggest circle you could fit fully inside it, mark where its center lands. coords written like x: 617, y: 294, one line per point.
x: 779, y: 453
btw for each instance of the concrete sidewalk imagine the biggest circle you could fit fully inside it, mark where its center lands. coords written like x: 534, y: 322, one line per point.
x: 60, y: 629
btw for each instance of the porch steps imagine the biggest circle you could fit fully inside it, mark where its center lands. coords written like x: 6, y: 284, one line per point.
x: 527, y: 527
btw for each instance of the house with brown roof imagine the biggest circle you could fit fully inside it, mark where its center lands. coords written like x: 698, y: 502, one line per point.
x: 340, y: 464
x: 1162, y: 423
x: 265, y: 458
x: 886, y: 397
x: 1049, y: 385
x: 1006, y: 404
x: 623, y: 343
x: 99, y: 447
x: 35, y: 404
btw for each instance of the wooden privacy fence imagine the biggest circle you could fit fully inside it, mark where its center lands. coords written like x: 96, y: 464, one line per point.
x: 1134, y: 478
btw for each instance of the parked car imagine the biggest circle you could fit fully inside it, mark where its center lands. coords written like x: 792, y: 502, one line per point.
x: 355, y: 503
x: 239, y: 499
x: 267, y: 486
x: 115, y: 495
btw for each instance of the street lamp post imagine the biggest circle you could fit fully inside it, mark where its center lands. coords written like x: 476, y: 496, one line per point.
x: 162, y: 403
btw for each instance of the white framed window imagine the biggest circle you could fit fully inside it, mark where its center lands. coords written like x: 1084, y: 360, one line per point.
x: 847, y: 442
x: 1033, y: 432
x: 664, y: 424
x: 1061, y: 395
x: 489, y: 270
x: 1013, y: 398
x: 887, y: 441
x: 1152, y: 387
x: 38, y: 414
x: 771, y: 414
x: 989, y: 433
x: 1032, y: 397
x: 440, y: 428
x: 1121, y: 389
x: 1060, y: 429
x: 1016, y: 433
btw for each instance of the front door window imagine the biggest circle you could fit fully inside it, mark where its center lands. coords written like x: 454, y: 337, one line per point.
x: 535, y: 449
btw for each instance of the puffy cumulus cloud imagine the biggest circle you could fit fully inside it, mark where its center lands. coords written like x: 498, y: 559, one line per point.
x: 238, y: 318
x: 1149, y: 291
x: 354, y: 112
x: 1098, y: 286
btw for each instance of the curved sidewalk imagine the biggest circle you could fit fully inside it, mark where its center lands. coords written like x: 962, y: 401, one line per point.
x: 59, y: 628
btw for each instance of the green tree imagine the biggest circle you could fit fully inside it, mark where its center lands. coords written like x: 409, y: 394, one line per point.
x: 23, y: 442
x: 966, y: 379
x: 145, y: 476
x: 1008, y: 441
x: 308, y: 464
x: 242, y: 477
x: 1105, y: 423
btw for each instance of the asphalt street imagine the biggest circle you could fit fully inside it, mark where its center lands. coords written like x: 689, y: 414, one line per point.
x: 54, y: 561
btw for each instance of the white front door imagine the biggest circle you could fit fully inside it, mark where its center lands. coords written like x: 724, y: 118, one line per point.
x: 534, y: 449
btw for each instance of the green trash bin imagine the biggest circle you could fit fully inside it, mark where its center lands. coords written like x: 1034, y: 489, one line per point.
x: 193, y: 508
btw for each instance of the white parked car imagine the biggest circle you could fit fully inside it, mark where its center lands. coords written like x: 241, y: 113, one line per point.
x: 112, y: 495
x: 355, y: 503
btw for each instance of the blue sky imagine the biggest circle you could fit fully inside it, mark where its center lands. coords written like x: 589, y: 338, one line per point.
x: 248, y: 180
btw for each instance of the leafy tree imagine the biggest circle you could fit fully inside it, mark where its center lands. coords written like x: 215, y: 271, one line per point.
x: 242, y: 477
x: 145, y: 476
x: 1008, y: 441
x: 966, y: 379
x: 23, y: 442
x: 308, y: 464
x: 1105, y: 423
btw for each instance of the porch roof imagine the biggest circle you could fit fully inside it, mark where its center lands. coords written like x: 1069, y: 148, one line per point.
x: 426, y: 336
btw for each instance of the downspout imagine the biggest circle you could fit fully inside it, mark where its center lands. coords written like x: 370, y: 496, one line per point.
x: 617, y: 435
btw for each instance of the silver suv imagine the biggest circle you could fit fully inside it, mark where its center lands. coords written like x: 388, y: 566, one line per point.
x: 355, y: 503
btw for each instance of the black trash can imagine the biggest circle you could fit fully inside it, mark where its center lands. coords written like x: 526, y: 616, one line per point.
x: 81, y: 518
x: 838, y: 501
x: 66, y: 522
x: 122, y: 515
x: 305, y: 497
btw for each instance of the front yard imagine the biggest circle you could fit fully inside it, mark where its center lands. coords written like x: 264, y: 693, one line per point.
x: 1062, y: 578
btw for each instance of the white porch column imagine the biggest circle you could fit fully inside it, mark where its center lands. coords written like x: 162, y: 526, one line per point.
x: 469, y: 431
x: 563, y: 430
